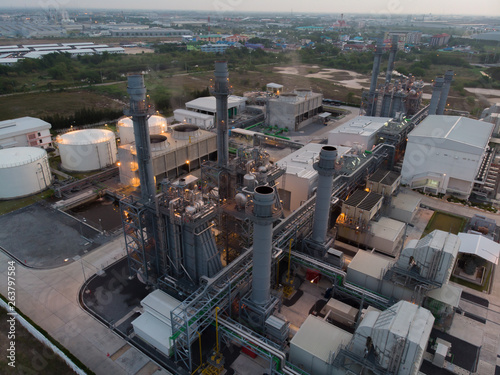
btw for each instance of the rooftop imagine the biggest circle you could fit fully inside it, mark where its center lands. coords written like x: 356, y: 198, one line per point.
x: 458, y: 129
x: 362, y: 125
x: 383, y: 176
x: 22, y: 125
x: 369, y: 264
x: 208, y: 104
x: 363, y: 200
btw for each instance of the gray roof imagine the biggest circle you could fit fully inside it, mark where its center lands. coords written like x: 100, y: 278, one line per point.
x: 22, y: 125
x: 457, y: 129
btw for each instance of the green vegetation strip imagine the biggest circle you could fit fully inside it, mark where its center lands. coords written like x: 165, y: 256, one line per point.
x: 74, y: 359
x: 445, y: 222
x: 15, y: 204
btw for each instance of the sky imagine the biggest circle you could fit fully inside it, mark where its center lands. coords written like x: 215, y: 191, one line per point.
x: 476, y: 7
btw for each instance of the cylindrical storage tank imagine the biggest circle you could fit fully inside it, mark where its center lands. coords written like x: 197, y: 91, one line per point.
x: 87, y: 150
x: 303, y: 92
x: 186, y: 131
x: 23, y: 171
x: 157, y: 125
x: 249, y: 181
x: 288, y: 97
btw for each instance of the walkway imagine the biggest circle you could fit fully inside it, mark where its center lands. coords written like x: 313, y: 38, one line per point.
x: 49, y: 298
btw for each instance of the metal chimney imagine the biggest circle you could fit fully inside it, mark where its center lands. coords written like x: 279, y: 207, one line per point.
x: 448, y: 77
x: 326, y: 169
x: 436, y: 94
x: 392, y: 57
x: 221, y: 92
x: 263, y: 216
x: 139, y: 112
x: 375, y: 73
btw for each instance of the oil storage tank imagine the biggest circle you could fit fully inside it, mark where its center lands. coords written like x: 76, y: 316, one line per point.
x: 87, y: 150
x: 23, y: 171
x: 157, y: 125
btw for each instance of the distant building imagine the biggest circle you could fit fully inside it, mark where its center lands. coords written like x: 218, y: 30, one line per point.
x: 405, y: 37
x: 214, y: 48
x: 439, y: 39
x: 448, y: 155
x: 152, y: 32
x: 25, y: 132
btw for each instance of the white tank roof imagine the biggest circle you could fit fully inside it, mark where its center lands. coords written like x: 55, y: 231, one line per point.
x: 152, y: 121
x: 16, y: 156
x: 86, y: 137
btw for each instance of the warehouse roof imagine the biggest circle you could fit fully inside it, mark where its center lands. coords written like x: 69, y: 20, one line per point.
x: 363, y: 200
x: 22, y: 125
x: 362, y: 125
x: 458, y: 129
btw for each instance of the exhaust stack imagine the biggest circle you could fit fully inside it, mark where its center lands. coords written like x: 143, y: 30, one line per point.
x: 373, y: 85
x: 392, y: 57
x: 263, y: 215
x: 221, y: 92
x: 326, y: 169
x: 448, y: 77
x: 139, y: 112
x: 436, y: 95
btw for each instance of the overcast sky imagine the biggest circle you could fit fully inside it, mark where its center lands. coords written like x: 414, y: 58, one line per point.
x: 484, y: 7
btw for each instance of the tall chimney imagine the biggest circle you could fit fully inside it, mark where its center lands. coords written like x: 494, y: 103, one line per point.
x: 139, y: 112
x: 221, y: 92
x: 375, y: 73
x: 326, y: 169
x: 448, y: 77
x: 436, y: 94
x: 392, y: 57
x: 263, y: 216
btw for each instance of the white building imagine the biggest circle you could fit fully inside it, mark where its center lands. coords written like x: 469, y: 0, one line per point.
x: 24, y: 132
x: 190, y: 117
x: 214, y: 48
x: 359, y: 133
x: 446, y: 154
x: 207, y: 105
x: 300, y: 180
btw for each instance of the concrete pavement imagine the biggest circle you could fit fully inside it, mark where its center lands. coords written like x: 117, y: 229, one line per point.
x: 50, y: 299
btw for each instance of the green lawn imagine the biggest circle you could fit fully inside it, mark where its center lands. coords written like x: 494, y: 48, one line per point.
x: 445, y: 222
x: 15, y: 204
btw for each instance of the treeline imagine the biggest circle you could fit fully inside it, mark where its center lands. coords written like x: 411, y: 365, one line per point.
x: 82, y: 116
x: 164, y: 102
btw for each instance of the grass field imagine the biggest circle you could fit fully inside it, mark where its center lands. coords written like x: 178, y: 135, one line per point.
x: 15, y: 204
x: 445, y: 222
x: 32, y: 357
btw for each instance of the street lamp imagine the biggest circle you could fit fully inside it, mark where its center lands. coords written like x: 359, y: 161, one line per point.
x: 189, y: 167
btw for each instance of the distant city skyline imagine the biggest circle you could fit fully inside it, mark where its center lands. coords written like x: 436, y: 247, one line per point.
x: 378, y: 7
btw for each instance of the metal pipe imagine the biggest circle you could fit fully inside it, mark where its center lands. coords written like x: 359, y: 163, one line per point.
x: 326, y: 169
x: 217, y: 330
x: 448, y: 77
x: 436, y: 95
x: 263, y: 218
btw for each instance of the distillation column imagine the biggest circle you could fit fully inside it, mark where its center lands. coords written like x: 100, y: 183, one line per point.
x: 436, y: 95
x: 221, y: 92
x: 139, y: 112
x: 326, y: 169
x: 263, y: 216
x: 373, y: 84
x: 448, y: 77
x: 392, y: 57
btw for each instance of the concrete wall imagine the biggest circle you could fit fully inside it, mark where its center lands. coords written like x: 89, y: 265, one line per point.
x: 301, y: 189
x: 22, y: 140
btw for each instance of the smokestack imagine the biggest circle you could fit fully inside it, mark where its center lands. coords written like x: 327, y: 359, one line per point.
x: 392, y: 57
x: 436, y: 94
x: 448, y: 77
x: 326, y: 169
x: 263, y: 216
x: 375, y: 73
x: 139, y: 112
x: 221, y: 92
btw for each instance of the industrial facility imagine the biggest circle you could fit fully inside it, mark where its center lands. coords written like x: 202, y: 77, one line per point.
x: 25, y: 132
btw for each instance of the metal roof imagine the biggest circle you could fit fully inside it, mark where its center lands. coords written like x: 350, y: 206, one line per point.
x: 208, y: 103
x: 383, y: 176
x: 363, y: 200
x: 458, y: 129
x: 22, y: 125
x: 362, y: 125
x: 479, y: 245
x: 369, y: 264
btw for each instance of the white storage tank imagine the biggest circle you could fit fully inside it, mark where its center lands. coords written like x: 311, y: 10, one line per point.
x: 23, y: 171
x: 87, y: 150
x: 157, y: 125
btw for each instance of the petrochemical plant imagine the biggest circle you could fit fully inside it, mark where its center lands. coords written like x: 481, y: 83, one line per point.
x: 224, y: 252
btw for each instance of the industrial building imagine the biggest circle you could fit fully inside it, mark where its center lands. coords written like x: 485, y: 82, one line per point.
x: 87, y: 150
x: 157, y: 125
x: 294, y: 110
x: 23, y: 171
x: 25, y: 132
x: 202, y: 120
x: 207, y: 105
x: 359, y: 133
x: 300, y: 180
x: 215, y: 247
x: 448, y: 154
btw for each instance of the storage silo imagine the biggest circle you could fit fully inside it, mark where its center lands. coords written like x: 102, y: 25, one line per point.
x: 87, y: 150
x: 157, y: 125
x: 23, y: 171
